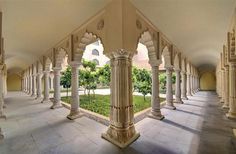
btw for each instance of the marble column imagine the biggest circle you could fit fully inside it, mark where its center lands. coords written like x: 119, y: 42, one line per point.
x: 183, y: 86
x: 155, y: 100
x: 169, y: 90
x: 222, y: 86
x: 232, y: 91
x: 226, y: 100
x: 34, y: 91
x: 121, y: 131
x: 1, y: 95
x: 30, y: 85
x: 188, y: 85
x: 57, y: 89
x: 1, y: 134
x: 46, y: 87
x: 74, y: 110
x: 39, y: 86
x: 191, y: 82
x: 177, y: 88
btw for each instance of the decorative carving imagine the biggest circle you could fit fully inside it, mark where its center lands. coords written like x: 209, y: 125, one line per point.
x: 100, y: 25
x: 138, y: 24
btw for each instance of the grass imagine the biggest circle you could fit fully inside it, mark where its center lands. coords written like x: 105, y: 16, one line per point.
x: 101, y: 103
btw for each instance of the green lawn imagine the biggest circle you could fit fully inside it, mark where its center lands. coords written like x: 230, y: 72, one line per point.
x: 101, y: 103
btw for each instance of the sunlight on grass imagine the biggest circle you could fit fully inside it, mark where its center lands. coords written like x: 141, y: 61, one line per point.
x: 101, y: 103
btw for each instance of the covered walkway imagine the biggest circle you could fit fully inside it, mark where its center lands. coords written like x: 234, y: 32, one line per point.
x: 197, y: 126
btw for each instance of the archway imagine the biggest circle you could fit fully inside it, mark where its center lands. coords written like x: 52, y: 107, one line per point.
x: 208, y: 81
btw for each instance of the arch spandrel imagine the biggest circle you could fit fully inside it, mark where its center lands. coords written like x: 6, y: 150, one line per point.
x: 147, y: 39
x: 177, y: 61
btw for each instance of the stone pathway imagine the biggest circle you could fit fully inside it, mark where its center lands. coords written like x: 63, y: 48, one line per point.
x: 198, y: 126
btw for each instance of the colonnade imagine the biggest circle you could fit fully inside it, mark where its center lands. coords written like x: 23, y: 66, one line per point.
x: 226, y: 75
x: 121, y: 130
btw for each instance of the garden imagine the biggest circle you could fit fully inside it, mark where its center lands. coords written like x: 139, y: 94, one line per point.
x: 92, y: 78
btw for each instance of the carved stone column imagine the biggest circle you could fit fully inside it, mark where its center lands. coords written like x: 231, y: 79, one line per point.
x: 30, y: 85
x: 191, y: 84
x: 57, y: 91
x: 177, y: 88
x: 1, y: 134
x: 39, y: 85
x: 34, y: 91
x: 169, y: 90
x: 1, y: 94
x: 232, y: 91
x: 183, y: 86
x: 121, y: 131
x: 188, y: 85
x: 74, y: 110
x: 46, y: 87
x: 226, y: 88
x: 223, y: 86
x: 156, y: 107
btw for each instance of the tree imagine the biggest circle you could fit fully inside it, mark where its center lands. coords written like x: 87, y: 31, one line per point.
x: 104, y: 75
x: 88, y: 76
x: 142, y: 81
x: 66, y: 79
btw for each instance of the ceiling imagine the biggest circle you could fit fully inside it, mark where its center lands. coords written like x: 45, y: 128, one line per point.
x: 197, y: 27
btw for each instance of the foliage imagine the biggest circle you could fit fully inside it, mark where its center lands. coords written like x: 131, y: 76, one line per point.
x: 142, y: 81
x: 66, y: 79
x: 88, y: 76
x: 104, y: 75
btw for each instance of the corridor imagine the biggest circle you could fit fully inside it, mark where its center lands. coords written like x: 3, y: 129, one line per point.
x: 197, y: 126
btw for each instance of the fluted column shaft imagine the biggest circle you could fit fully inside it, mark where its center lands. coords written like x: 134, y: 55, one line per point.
x: 39, y: 85
x: 192, y: 84
x: 177, y: 87
x: 155, y: 100
x: 226, y: 89
x: 188, y: 85
x: 74, y: 110
x: 46, y: 87
x: 30, y: 85
x: 34, y: 91
x: 223, y: 86
x: 121, y: 131
x: 1, y: 94
x: 183, y: 86
x: 57, y: 91
x: 232, y: 91
x: 169, y: 90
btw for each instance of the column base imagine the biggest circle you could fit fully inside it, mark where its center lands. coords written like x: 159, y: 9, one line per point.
x: 75, y: 115
x: 46, y: 101
x: 225, y: 106
x: 40, y: 97
x: 178, y: 101
x: 121, y: 137
x: 55, y: 106
x: 184, y: 98
x: 1, y: 135
x: 221, y: 101
x: 3, y: 116
x: 157, y: 116
x: 231, y: 115
x: 171, y: 107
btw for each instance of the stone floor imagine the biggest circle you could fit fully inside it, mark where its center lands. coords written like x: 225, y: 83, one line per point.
x: 197, y: 126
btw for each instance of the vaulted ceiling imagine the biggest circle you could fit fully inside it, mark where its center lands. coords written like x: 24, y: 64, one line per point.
x: 197, y: 27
